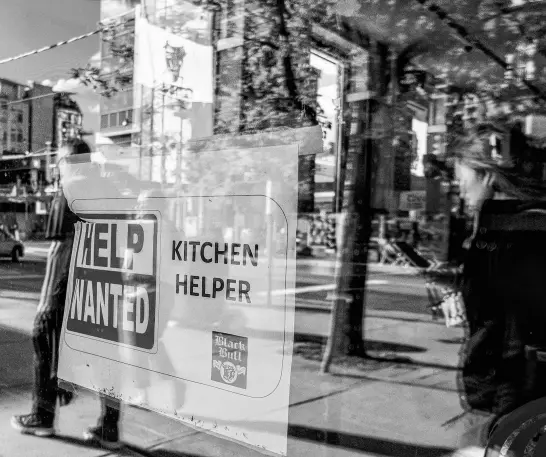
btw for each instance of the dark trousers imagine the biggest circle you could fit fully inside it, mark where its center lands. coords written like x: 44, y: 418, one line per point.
x: 46, y: 336
x: 110, y: 411
x: 47, y: 327
x: 45, y: 339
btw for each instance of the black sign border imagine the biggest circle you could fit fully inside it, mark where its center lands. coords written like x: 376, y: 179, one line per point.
x: 115, y: 215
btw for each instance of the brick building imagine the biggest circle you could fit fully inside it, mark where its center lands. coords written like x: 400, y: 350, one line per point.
x: 34, y: 123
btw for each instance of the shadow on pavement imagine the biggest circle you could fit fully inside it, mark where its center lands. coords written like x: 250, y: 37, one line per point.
x: 377, y: 351
x: 371, y: 345
x: 365, y: 377
x: 80, y: 442
x: 457, y: 341
x: 368, y: 444
x: 348, y: 441
x: 162, y: 453
x: 16, y: 367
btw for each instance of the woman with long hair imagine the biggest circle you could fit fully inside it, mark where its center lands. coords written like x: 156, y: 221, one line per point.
x: 503, y: 287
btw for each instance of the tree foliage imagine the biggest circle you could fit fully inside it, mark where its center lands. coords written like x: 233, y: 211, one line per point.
x: 115, y: 72
x: 278, y: 84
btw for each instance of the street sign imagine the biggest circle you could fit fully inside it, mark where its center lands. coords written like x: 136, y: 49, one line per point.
x: 413, y: 201
x: 170, y: 292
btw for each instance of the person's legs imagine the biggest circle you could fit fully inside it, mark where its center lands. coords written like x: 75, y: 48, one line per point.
x: 106, y: 432
x: 45, y: 338
x: 110, y: 412
x: 44, y: 396
x: 45, y: 385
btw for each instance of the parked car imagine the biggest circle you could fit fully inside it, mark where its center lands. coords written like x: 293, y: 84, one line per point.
x: 10, y: 247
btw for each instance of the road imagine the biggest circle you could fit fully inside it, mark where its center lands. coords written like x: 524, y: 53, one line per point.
x: 387, y: 289
x: 396, y: 290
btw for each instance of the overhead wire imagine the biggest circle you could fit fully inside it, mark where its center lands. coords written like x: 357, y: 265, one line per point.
x: 102, y: 28
x: 52, y: 46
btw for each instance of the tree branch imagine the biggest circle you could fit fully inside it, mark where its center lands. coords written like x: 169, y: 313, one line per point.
x: 290, y: 79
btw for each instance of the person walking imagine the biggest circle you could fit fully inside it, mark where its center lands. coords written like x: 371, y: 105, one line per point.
x: 502, y: 288
x: 48, y: 325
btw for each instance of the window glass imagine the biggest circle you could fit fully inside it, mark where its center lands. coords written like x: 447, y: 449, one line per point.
x: 290, y: 227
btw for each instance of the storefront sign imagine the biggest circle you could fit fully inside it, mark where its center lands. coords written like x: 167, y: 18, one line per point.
x: 175, y: 295
x: 114, y: 282
x: 413, y: 201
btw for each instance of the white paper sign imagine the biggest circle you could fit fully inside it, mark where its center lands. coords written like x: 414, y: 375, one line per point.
x: 165, y: 59
x: 176, y: 292
x: 413, y: 201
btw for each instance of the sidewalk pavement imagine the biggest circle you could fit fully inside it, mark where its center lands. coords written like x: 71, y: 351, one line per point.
x: 377, y: 409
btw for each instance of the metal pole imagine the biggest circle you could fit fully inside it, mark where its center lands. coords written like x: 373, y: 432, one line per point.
x: 141, y: 130
x: 152, y: 114
x: 179, y: 160
x: 30, y: 123
x: 163, y: 148
x: 48, y: 162
x: 8, y: 142
x: 269, y: 242
x: 394, y: 101
x: 338, y: 198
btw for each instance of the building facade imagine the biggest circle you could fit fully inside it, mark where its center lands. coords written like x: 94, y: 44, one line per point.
x: 13, y: 118
x: 35, y: 121
x: 116, y: 111
x: 340, y: 78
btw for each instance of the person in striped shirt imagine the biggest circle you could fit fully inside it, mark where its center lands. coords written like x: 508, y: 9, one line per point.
x: 48, y: 325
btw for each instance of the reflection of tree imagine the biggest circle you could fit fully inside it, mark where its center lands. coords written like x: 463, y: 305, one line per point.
x: 278, y: 84
x: 267, y: 82
x: 118, y: 74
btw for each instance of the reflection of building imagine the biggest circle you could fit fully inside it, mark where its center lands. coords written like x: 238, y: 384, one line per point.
x: 13, y: 134
x: 116, y: 111
x: 31, y: 115
x: 34, y: 121
x: 68, y: 120
x: 173, y: 99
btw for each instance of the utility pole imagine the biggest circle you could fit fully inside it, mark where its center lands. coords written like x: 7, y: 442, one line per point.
x: 29, y: 100
x: 48, y: 162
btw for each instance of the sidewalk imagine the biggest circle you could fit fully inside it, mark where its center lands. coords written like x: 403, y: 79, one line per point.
x: 328, y: 265
x: 382, y: 409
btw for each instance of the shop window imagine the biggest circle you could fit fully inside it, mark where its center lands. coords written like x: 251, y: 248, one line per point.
x: 113, y: 119
x: 104, y: 121
x: 126, y: 117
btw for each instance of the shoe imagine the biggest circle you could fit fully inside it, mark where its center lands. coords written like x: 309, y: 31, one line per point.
x: 106, y: 437
x: 33, y: 424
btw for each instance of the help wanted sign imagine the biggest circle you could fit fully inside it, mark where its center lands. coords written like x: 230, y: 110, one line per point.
x: 114, y: 291
x: 177, y: 296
